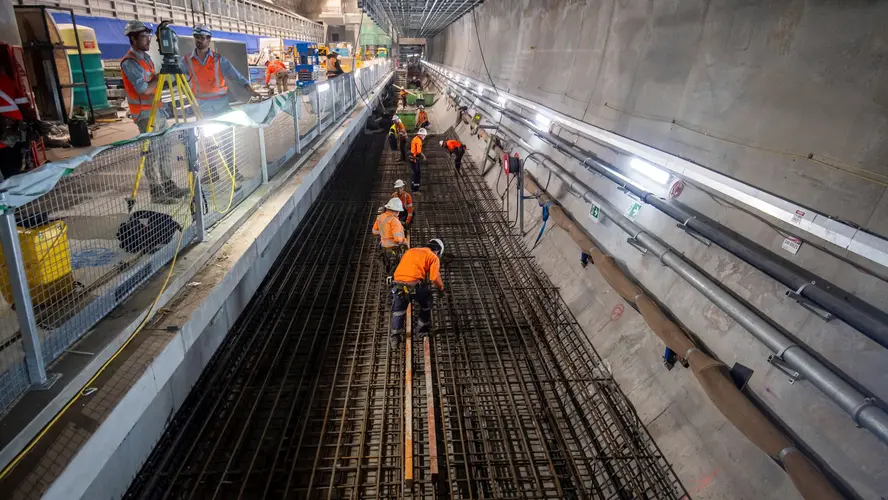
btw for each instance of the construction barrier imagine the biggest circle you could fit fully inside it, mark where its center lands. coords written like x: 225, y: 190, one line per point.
x: 72, y: 247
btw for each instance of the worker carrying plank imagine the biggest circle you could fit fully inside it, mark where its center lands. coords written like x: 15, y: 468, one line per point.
x: 398, y: 137
x: 402, y: 97
x: 416, y: 156
x: 456, y: 150
x: 334, y: 69
x: 208, y: 73
x: 391, y: 235
x: 422, y: 118
x: 406, y: 217
x: 139, y: 81
x: 278, y: 70
x: 419, y: 269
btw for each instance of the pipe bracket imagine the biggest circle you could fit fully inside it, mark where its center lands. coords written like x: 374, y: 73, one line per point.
x: 637, y: 245
x: 855, y: 414
x: 777, y: 361
x: 786, y: 451
x: 693, y: 233
x: 807, y: 304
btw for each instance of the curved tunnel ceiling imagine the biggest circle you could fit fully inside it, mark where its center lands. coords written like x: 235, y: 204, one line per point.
x: 416, y: 18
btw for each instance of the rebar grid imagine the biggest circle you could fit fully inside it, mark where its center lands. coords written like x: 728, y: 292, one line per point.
x: 305, y: 399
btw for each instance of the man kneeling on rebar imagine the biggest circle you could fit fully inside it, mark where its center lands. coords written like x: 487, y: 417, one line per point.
x: 391, y: 235
x: 420, y: 268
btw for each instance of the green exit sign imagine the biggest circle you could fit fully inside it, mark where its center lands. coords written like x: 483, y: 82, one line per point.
x: 632, y: 211
x: 595, y: 213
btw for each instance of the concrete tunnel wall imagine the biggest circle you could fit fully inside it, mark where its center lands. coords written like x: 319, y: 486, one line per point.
x: 710, y: 456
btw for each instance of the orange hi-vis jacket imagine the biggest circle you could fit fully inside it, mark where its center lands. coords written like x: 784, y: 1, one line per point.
x: 389, y: 230
x: 402, y: 129
x: 406, y: 200
x: 452, y: 145
x: 419, y: 264
x: 402, y: 93
x: 272, y: 68
x: 207, y: 81
x: 10, y: 100
x: 416, y: 146
x: 139, y: 102
x: 421, y: 117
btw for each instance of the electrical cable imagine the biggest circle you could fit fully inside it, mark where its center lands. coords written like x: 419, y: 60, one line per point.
x: 481, y: 50
x: 354, y: 76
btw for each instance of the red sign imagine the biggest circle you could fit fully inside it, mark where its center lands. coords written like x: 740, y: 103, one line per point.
x: 89, y: 44
x: 676, y: 189
x: 617, y: 312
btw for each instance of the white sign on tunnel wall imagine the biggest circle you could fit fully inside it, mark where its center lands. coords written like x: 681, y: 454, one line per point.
x: 792, y: 244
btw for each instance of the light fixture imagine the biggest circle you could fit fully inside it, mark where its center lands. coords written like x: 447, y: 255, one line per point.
x: 650, y: 171
x: 502, y: 100
x: 211, y: 129
x: 323, y: 87
x: 542, y: 121
x: 480, y: 88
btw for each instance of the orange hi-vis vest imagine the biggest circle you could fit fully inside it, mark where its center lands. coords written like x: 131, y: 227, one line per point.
x: 418, y: 264
x: 389, y: 229
x: 407, y: 201
x: 421, y: 117
x: 207, y: 81
x: 139, y: 102
x: 416, y: 146
x: 452, y: 145
x: 10, y: 99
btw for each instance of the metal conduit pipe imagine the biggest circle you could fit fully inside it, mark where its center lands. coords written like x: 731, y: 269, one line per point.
x: 862, y: 408
x: 858, y: 314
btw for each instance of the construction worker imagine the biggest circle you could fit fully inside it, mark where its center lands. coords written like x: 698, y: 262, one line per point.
x: 416, y: 155
x: 334, y: 69
x: 456, y: 150
x: 139, y: 82
x: 422, y: 118
x: 419, y: 269
x: 278, y: 70
x: 406, y: 216
x: 402, y: 97
x: 208, y: 71
x: 15, y: 113
x: 398, y: 137
x: 391, y: 235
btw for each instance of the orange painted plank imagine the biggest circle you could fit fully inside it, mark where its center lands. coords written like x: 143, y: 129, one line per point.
x: 408, y: 402
x: 430, y: 405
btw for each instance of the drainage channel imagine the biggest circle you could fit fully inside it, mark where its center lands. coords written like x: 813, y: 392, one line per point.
x: 305, y: 398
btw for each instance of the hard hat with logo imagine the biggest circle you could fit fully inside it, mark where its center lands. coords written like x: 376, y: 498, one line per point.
x: 202, y: 30
x: 422, y: 132
x: 134, y: 27
x: 399, y: 184
x: 395, y: 204
x: 439, y: 243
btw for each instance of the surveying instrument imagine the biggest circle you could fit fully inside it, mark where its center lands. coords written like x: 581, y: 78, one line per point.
x: 172, y: 77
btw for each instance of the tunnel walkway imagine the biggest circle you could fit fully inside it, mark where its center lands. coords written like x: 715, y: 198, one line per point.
x: 305, y: 398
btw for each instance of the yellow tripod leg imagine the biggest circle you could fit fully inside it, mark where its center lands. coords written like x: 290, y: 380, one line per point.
x: 155, y: 104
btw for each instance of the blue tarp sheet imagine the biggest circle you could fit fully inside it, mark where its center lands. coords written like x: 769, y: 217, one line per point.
x: 113, y: 44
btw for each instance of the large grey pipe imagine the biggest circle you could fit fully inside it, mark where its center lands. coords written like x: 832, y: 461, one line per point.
x: 862, y: 409
x: 858, y: 314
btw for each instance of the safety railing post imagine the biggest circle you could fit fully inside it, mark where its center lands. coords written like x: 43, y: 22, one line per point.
x: 295, y: 99
x: 197, y: 204
x: 333, y: 94
x: 263, y: 160
x: 320, y: 113
x: 21, y: 294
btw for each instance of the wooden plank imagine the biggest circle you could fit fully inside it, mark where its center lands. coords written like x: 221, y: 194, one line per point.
x: 408, y: 402
x: 430, y: 408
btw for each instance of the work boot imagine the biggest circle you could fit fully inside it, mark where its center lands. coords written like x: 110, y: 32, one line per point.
x: 174, y: 191
x: 159, y: 195
x: 394, y: 340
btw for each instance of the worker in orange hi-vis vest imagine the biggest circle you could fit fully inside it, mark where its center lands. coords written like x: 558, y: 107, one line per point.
x: 422, y: 118
x: 209, y: 73
x: 392, y: 238
x: 139, y: 82
x: 418, y: 271
x: 400, y: 193
x: 456, y: 150
x: 278, y: 70
x: 416, y: 155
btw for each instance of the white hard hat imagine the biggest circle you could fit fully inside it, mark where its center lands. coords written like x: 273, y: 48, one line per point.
x: 396, y: 119
x: 439, y: 243
x: 202, y: 29
x: 395, y: 204
x: 134, y: 27
x: 422, y: 132
x: 421, y: 106
x: 440, y: 143
x: 399, y: 184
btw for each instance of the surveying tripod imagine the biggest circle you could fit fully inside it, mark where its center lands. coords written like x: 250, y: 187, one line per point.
x: 171, y: 76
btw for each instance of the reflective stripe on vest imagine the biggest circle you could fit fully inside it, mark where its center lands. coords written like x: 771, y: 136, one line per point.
x: 200, y: 82
x: 8, y: 106
x: 385, y: 241
x: 138, y: 102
